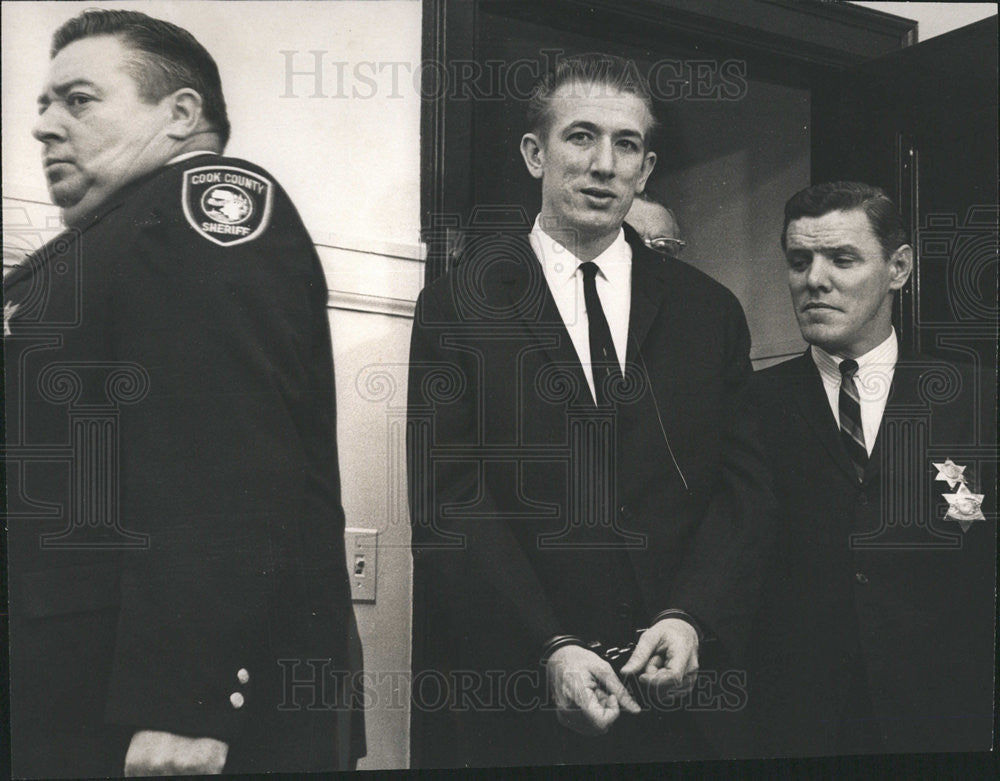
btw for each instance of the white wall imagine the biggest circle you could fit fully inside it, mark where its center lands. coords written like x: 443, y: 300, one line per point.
x: 351, y: 165
x: 935, y: 19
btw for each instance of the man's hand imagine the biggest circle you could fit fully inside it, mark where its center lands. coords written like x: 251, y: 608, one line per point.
x: 153, y: 753
x: 587, y: 691
x: 666, y: 657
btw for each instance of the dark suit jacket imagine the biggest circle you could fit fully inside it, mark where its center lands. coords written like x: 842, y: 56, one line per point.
x: 876, y: 629
x: 535, y: 513
x: 173, y: 487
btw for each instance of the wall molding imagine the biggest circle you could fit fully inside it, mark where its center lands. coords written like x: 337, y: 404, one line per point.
x: 370, y: 246
x: 19, y: 191
x: 23, y: 193
x: 370, y: 304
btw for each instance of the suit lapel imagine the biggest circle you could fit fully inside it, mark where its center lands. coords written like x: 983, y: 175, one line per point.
x: 649, y: 289
x: 528, y: 291
x: 874, y: 466
x: 902, y: 394
x: 814, y: 406
x: 526, y: 283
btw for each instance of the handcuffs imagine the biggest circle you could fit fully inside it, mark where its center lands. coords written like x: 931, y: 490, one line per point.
x: 617, y: 656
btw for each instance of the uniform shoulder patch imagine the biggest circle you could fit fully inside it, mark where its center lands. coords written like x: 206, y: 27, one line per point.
x: 225, y: 204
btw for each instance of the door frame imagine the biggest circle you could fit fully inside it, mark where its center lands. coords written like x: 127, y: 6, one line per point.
x: 806, y: 37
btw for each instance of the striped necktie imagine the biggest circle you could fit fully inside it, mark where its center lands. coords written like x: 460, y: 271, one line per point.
x: 851, y: 432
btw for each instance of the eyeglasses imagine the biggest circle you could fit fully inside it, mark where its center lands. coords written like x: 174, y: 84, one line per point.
x: 665, y: 245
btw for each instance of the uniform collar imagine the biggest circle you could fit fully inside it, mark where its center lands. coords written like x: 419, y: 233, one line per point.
x: 118, y: 197
x: 188, y: 155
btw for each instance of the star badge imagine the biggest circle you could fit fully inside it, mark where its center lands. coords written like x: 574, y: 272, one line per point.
x: 950, y: 472
x: 9, y: 309
x: 964, y: 507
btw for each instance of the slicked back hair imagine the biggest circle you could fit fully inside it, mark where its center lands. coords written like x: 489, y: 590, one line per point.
x: 602, y: 70
x: 165, y: 58
x: 820, y: 199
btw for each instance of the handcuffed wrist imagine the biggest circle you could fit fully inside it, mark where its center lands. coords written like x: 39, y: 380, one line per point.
x: 557, y: 642
x: 684, y: 616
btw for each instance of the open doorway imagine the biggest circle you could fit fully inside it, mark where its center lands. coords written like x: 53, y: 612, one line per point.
x: 733, y: 89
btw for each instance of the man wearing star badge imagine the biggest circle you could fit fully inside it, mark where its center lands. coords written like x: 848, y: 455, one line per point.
x: 871, y: 585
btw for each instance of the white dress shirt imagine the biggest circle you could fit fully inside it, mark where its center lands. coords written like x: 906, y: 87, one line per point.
x: 565, y: 280
x: 873, y: 380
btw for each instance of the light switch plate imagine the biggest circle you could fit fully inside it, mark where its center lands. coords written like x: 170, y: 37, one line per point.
x: 362, y: 562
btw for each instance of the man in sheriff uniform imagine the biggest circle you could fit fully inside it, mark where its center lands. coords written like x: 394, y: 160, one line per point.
x: 178, y: 595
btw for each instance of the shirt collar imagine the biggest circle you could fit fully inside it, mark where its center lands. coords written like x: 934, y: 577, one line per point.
x: 560, y: 264
x: 882, y: 356
x: 616, y: 261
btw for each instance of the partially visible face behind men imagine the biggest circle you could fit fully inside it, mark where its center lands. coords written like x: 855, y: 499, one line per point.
x: 841, y: 282
x: 652, y: 221
x: 98, y: 133
x: 592, y: 160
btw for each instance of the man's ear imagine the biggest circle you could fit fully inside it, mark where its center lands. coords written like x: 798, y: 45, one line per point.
x: 534, y: 154
x: 648, y: 162
x: 900, y: 266
x: 185, y: 107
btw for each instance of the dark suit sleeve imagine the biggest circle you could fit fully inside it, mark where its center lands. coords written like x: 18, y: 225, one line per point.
x: 214, y: 469
x: 452, y: 550
x: 719, y: 579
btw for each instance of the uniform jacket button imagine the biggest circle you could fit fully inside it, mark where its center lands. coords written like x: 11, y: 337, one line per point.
x: 624, y: 610
x: 236, y: 700
x: 863, y: 499
x: 861, y: 577
x: 242, y: 675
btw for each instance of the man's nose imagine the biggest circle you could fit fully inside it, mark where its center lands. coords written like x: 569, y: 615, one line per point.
x: 818, y: 276
x: 49, y: 127
x: 603, y: 161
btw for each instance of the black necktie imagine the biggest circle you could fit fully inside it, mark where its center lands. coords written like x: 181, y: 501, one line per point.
x: 603, y: 358
x: 851, y: 431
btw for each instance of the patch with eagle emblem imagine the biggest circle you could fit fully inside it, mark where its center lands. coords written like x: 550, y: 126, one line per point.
x: 225, y: 204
